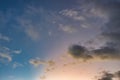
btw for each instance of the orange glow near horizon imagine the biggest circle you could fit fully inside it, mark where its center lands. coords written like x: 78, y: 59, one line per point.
x: 70, y: 69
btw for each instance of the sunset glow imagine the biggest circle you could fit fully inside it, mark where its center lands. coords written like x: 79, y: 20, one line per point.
x: 59, y: 39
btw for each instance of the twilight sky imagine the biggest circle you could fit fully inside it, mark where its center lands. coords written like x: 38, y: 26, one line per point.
x: 59, y: 39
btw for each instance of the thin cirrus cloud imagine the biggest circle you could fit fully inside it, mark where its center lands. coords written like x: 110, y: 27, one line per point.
x: 5, y: 38
x: 16, y: 64
x: 33, y: 20
x: 74, y: 14
x: 17, y: 51
x: 67, y: 28
x: 6, y: 54
x: 30, y: 24
x: 87, y: 16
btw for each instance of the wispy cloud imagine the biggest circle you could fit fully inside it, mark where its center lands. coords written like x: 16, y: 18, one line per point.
x: 30, y: 21
x: 86, y: 16
x: 5, y: 38
x: 33, y: 33
x: 16, y: 64
x: 74, y: 14
x: 4, y: 56
x: 17, y: 51
x: 67, y: 28
x: 7, y: 53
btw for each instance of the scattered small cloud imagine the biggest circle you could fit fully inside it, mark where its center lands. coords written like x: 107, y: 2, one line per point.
x: 16, y: 64
x: 4, y: 56
x: 33, y: 33
x: 17, y: 51
x: 32, y: 24
x: 74, y: 14
x: 5, y: 38
x: 36, y: 62
x: 50, y: 63
x: 67, y: 28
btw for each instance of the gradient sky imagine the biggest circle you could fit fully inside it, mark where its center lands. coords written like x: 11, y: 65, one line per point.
x: 59, y: 39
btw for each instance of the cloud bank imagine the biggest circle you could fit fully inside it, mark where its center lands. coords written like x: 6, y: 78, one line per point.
x: 110, y: 33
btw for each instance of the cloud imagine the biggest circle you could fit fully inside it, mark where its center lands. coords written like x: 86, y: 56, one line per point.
x: 36, y: 62
x: 110, y: 76
x: 37, y: 22
x: 7, y: 53
x: 78, y: 51
x: 16, y: 64
x: 30, y: 21
x: 17, y: 51
x: 30, y: 29
x: 33, y: 33
x: 103, y: 53
x: 5, y: 38
x: 50, y: 62
x: 74, y: 14
x: 67, y: 28
x: 106, y: 76
x: 7, y: 50
x: 87, y: 15
x: 110, y: 31
x: 107, y: 53
x: 4, y: 56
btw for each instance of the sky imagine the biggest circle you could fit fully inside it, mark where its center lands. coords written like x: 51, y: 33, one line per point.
x: 59, y: 39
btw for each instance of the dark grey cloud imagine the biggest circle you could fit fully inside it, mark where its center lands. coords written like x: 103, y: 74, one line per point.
x: 110, y: 76
x: 78, y: 51
x: 106, y: 53
x: 103, y: 53
x: 107, y: 76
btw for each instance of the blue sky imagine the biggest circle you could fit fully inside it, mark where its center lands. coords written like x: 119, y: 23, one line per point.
x: 42, y: 39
